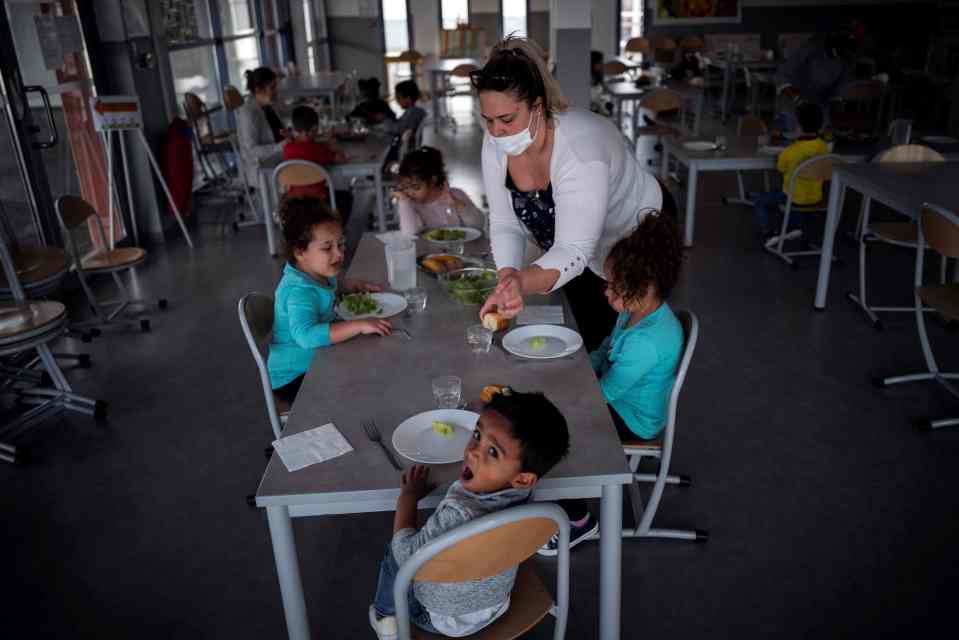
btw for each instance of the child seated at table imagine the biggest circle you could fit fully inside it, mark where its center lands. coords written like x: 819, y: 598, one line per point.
x: 303, y: 318
x: 373, y: 109
x: 808, y: 145
x: 407, y: 95
x: 425, y: 198
x: 636, y: 364
x: 305, y: 146
x: 519, y: 437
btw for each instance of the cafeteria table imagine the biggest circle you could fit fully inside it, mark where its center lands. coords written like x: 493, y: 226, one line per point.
x: 323, y: 84
x: 388, y: 379
x: 903, y: 186
x: 365, y: 161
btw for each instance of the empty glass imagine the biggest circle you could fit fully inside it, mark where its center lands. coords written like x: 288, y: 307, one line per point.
x: 447, y: 391
x: 415, y: 299
x: 479, y: 338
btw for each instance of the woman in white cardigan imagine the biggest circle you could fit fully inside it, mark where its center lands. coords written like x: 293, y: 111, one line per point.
x: 259, y: 130
x: 565, y: 179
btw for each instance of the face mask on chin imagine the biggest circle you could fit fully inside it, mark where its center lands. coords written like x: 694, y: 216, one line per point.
x: 517, y: 143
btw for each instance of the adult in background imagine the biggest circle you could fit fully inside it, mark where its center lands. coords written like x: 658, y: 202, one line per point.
x: 816, y: 71
x: 565, y: 178
x: 259, y: 130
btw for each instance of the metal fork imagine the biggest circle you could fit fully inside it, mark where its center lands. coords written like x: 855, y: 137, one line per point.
x: 373, y: 433
x: 405, y: 333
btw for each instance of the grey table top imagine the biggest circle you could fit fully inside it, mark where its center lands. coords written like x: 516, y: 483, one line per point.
x: 368, y: 151
x: 321, y: 82
x: 388, y: 379
x: 628, y: 89
x: 743, y: 152
x: 905, y: 186
x: 445, y: 65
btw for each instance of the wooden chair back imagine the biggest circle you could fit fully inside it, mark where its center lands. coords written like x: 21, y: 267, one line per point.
x: 195, y: 110
x: 300, y: 173
x: 614, y: 68
x: 750, y: 125
x: 692, y: 43
x: 910, y: 153
x: 232, y: 98
x: 637, y: 45
x: 861, y: 91
x: 74, y: 211
x: 819, y: 168
x: 463, y: 70
x: 489, y: 553
x: 940, y: 229
x: 662, y: 100
x: 410, y: 55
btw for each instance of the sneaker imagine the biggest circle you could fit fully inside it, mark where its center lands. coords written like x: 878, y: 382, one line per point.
x: 384, y: 627
x: 576, y: 535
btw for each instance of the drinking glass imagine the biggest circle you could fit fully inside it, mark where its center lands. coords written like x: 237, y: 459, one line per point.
x: 401, y: 264
x: 447, y: 391
x: 479, y: 338
x: 415, y: 299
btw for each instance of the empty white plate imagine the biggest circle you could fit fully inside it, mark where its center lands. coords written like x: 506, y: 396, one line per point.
x: 700, y: 145
x: 772, y: 150
x: 416, y: 439
x: 542, y: 341
x: 390, y: 304
x: 939, y: 139
x: 469, y: 234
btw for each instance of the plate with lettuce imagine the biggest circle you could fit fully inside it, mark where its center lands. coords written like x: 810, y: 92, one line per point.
x: 450, y: 235
x: 357, y: 306
x: 542, y: 341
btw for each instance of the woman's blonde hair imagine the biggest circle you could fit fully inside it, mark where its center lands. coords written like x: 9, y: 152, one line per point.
x: 518, y: 66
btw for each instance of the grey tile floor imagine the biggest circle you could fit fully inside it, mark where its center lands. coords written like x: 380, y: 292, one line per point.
x: 829, y: 514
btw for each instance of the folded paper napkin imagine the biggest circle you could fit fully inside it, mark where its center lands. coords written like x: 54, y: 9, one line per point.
x: 309, y: 447
x: 541, y: 314
x: 392, y: 236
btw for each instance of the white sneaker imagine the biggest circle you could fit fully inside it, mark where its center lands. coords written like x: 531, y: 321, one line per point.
x: 384, y: 627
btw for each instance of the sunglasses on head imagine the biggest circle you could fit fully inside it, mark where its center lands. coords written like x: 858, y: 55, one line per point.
x: 486, y: 82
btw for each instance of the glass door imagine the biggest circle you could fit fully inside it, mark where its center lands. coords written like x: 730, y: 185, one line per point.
x: 47, y: 84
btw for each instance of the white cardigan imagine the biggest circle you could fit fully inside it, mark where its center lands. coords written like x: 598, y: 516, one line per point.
x: 600, y: 191
x: 255, y: 138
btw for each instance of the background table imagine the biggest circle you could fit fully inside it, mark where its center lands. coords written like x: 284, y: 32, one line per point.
x: 323, y: 84
x: 438, y: 73
x: 387, y: 380
x: 902, y: 186
x: 365, y: 160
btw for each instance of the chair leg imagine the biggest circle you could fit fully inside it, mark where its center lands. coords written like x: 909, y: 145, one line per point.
x: 862, y: 228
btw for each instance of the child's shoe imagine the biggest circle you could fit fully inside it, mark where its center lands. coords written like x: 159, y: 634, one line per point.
x: 384, y: 627
x: 576, y: 535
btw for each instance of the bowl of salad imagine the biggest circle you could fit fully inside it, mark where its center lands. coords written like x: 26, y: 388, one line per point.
x: 469, y: 286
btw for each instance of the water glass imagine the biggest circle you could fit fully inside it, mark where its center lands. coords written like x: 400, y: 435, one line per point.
x: 415, y: 299
x: 447, y: 391
x: 479, y: 338
x: 401, y: 264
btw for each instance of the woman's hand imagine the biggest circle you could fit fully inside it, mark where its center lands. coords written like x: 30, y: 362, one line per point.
x: 416, y: 482
x: 507, y: 297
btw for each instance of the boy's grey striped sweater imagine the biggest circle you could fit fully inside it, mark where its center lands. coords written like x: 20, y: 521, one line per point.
x: 457, y: 508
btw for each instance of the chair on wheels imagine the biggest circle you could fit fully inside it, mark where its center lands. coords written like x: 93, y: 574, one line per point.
x: 900, y: 234
x: 938, y: 229
x: 73, y: 213
x: 30, y: 326
x: 661, y: 449
x: 816, y: 168
x: 748, y: 125
x: 256, y: 319
x: 483, y: 548
x: 233, y: 100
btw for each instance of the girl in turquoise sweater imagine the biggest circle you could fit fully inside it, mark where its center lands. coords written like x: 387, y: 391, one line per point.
x: 636, y: 364
x: 303, y: 316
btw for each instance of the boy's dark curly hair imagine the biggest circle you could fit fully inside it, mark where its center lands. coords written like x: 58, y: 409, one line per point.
x: 538, y: 425
x: 298, y: 216
x: 305, y: 118
x: 407, y: 89
x: 652, y: 254
x: 426, y: 165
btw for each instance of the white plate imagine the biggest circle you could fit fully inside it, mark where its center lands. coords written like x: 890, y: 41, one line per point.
x: 939, y: 139
x: 700, y: 145
x: 391, y: 304
x: 415, y: 439
x: 471, y: 234
x: 771, y: 150
x: 560, y: 341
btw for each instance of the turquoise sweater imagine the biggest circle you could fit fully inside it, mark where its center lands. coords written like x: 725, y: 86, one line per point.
x: 637, y: 367
x: 302, y: 314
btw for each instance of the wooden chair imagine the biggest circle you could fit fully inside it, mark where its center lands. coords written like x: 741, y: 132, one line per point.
x: 232, y: 101
x: 817, y: 168
x: 901, y: 234
x: 488, y: 546
x: 206, y: 141
x: 665, y: 51
x: 301, y: 173
x: 748, y: 125
x: 256, y: 320
x: 692, y: 43
x: 614, y: 70
x: 636, y: 46
x: 25, y: 327
x: 861, y: 106
x: 74, y: 213
x: 660, y: 101
x: 661, y: 449
x: 938, y: 229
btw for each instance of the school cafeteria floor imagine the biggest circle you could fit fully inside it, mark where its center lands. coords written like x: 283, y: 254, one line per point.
x: 829, y: 514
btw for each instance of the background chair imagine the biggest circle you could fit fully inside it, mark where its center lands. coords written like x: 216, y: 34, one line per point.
x: 665, y: 52
x: 817, y: 168
x: 667, y: 107
x: 637, y: 47
x: 256, y: 320
x: 692, y: 43
x: 233, y: 100
x: 73, y: 213
x: 938, y: 229
x: 614, y: 71
x: 460, y: 87
x: 206, y: 141
x: 901, y: 234
x: 860, y: 107
x: 488, y: 546
x: 748, y: 125
x: 300, y: 173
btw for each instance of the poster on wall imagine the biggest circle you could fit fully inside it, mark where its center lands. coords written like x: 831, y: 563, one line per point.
x: 688, y: 12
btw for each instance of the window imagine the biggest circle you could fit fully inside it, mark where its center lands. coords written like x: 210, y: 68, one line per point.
x: 235, y: 16
x: 454, y: 13
x: 514, y: 18
x: 630, y: 21
x: 395, y: 27
x: 185, y: 21
x: 314, y: 25
x: 194, y: 71
x: 242, y: 55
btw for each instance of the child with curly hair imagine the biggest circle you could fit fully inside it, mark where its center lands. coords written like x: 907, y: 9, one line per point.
x: 303, y: 316
x: 636, y: 364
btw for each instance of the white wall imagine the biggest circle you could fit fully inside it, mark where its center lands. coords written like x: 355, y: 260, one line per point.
x: 603, y: 37
x: 426, y: 26
x: 341, y: 8
x: 485, y: 6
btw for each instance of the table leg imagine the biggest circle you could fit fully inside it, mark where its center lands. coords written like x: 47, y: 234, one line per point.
x: 380, y: 211
x: 266, y: 204
x: 833, y: 212
x: 690, y: 222
x: 288, y: 572
x: 436, y: 101
x: 725, y: 90
x: 610, y: 561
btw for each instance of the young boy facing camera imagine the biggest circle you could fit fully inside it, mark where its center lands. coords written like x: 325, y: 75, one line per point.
x: 518, y: 438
